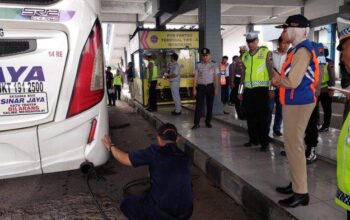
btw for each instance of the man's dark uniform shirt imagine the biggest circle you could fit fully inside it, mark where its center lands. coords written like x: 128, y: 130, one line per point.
x: 170, y: 171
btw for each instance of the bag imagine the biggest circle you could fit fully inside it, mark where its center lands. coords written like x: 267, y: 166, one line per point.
x: 111, y: 91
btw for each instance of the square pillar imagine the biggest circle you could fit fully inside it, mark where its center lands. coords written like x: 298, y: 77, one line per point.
x: 209, y: 19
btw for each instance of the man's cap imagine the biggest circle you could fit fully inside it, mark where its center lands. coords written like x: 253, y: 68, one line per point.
x: 251, y: 36
x: 343, y: 31
x: 148, y: 53
x: 320, y: 45
x: 296, y: 21
x: 204, y: 51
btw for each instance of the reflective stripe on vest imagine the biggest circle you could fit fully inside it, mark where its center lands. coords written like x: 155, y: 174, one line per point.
x: 155, y: 71
x: 256, y: 73
x: 117, y: 80
x: 305, y: 92
x: 343, y: 166
x: 325, y: 77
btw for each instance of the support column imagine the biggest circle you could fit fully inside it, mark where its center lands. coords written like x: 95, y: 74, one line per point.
x: 209, y: 19
x: 125, y: 57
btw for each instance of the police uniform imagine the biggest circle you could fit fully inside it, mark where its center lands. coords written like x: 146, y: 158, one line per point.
x: 117, y: 83
x: 343, y: 149
x: 256, y: 83
x: 152, y: 79
x: 205, y: 74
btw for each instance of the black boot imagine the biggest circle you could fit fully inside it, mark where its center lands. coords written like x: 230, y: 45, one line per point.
x: 295, y: 200
x: 285, y: 190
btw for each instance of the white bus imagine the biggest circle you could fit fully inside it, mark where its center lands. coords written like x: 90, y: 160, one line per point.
x: 52, y: 90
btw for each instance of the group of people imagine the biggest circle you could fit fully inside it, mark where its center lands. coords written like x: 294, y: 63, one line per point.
x: 114, y: 83
x: 296, y: 80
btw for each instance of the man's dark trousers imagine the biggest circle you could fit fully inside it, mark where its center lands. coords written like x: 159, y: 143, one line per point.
x: 204, y: 92
x: 153, y: 95
x: 255, y: 101
x: 311, y: 132
x: 326, y: 102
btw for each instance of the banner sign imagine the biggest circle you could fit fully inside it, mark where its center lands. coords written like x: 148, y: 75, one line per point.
x: 169, y: 39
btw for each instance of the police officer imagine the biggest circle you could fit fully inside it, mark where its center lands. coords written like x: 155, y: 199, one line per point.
x: 118, y: 84
x: 205, y: 86
x: 343, y: 152
x: 256, y: 89
x: 328, y: 79
x: 152, y: 73
x: 174, y: 79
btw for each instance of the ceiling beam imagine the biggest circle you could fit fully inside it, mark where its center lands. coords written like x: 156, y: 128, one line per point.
x: 121, y: 18
x: 123, y: 7
x: 265, y: 3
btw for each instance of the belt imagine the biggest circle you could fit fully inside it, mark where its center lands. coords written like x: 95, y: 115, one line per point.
x: 205, y: 84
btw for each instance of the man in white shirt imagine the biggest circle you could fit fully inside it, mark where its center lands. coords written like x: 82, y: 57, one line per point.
x: 278, y: 58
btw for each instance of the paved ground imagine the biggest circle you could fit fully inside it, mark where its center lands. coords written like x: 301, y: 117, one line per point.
x: 65, y: 195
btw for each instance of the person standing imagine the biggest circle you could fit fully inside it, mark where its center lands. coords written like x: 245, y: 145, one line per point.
x: 256, y: 89
x: 152, y: 73
x: 297, y: 84
x: 118, y: 85
x: 130, y: 75
x: 110, y: 89
x: 328, y: 79
x: 236, y: 75
x: 174, y: 78
x: 205, y: 86
x: 171, y: 195
x: 278, y: 58
x: 343, y: 152
x: 224, y: 79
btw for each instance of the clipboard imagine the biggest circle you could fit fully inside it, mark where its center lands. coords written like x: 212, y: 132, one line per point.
x: 339, y: 89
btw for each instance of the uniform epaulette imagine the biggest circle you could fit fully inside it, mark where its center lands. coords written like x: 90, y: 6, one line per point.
x: 213, y: 61
x: 198, y: 62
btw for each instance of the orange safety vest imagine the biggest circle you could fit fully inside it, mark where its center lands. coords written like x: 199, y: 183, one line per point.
x: 305, y: 92
x: 223, y: 75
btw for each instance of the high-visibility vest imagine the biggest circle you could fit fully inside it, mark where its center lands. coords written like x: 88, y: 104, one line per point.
x: 325, y: 77
x: 256, y: 73
x: 117, y: 81
x: 305, y: 92
x: 155, y: 71
x: 223, y: 74
x: 343, y: 166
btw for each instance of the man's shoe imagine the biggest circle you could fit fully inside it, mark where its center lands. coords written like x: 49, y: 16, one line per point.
x: 311, y: 158
x: 323, y: 129
x: 295, y: 200
x: 208, y: 125
x: 195, y: 127
x: 277, y: 134
x: 175, y: 113
x: 285, y: 190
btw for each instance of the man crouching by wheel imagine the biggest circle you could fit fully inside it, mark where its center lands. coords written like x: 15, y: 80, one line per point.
x: 171, y: 195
